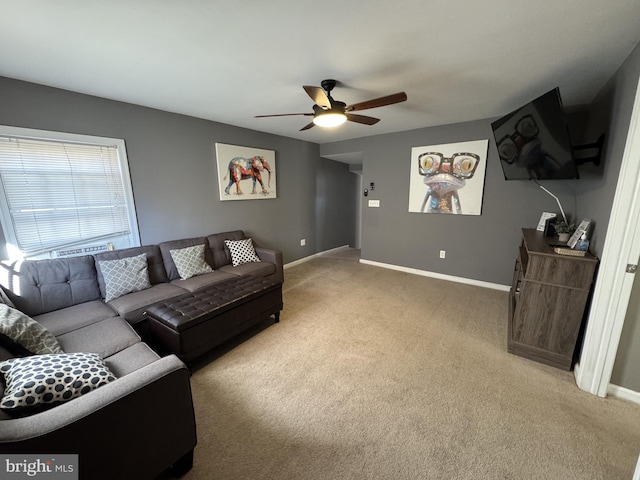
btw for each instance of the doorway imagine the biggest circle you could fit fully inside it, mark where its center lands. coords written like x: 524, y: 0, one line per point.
x: 614, y: 285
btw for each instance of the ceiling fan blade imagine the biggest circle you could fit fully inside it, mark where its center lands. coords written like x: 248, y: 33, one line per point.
x: 378, y: 102
x: 318, y: 96
x: 362, y: 119
x: 308, y: 126
x: 283, y: 115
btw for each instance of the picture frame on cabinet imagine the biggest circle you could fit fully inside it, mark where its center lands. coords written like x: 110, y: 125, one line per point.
x: 582, y: 228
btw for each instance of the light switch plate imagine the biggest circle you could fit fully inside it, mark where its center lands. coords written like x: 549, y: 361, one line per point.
x: 374, y: 203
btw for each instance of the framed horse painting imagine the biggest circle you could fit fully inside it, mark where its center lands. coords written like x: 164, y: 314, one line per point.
x: 245, y: 173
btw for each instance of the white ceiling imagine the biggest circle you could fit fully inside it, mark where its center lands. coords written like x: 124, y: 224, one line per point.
x: 228, y: 60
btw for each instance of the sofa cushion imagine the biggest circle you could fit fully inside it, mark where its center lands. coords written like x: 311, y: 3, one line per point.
x: 10, y: 345
x: 4, y: 298
x: 131, y: 359
x: 51, y: 379
x: 257, y: 269
x: 40, y: 286
x: 77, y: 316
x: 4, y: 354
x: 167, y: 258
x: 124, y: 275
x: 242, y: 251
x: 25, y: 331
x: 219, y: 251
x: 132, y: 307
x: 157, y: 273
x: 190, y: 261
x: 105, y: 338
x: 196, y: 283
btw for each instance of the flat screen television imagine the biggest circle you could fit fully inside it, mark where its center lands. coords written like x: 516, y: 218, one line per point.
x: 533, y: 141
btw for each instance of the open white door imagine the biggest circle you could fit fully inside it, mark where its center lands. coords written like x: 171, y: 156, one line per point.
x: 613, y: 287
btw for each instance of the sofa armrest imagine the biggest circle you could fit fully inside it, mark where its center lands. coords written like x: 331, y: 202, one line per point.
x: 272, y: 256
x: 142, y: 423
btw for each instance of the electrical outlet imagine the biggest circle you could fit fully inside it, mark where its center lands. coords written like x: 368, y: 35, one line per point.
x: 442, y: 253
x: 303, y: 242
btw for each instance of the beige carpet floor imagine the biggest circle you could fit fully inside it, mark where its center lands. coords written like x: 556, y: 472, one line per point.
x: 378, y: 374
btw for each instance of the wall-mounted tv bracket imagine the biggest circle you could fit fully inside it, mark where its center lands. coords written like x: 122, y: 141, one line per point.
x: 589, y: 152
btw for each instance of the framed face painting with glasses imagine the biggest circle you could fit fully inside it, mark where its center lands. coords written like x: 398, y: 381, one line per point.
x: 448, y: 178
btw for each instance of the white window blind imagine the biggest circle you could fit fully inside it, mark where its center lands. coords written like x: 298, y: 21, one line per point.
x: 62, y: 193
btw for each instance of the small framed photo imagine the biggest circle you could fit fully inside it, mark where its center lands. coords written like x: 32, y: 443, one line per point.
x: 544, y: 221
x: 582, y: 228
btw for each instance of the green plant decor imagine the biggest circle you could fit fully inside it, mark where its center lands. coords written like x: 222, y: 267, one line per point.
x: 564, y: 227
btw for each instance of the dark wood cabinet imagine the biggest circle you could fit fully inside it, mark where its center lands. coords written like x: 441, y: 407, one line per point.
x: 547, y: 301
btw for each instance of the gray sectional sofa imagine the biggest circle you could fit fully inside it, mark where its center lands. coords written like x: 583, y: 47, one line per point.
x: 143, y: 422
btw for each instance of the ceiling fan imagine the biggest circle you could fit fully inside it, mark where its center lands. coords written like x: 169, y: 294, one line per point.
x: 328, y: 112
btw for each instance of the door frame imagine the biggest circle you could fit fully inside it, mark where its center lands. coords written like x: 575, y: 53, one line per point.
x: 613, y: 286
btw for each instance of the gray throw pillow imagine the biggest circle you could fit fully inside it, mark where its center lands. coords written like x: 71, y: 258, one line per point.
x: 242, y: 251
x: 125, y: 275
x: 25, y: 331
x: 51, y: 379
x: 190, y: 261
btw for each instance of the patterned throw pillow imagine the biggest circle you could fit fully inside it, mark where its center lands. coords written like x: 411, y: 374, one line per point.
x: 125, y: 275
x: 51, y: 379
x: 26, y: 332
x: 190, y: 261
x: 242, y: 251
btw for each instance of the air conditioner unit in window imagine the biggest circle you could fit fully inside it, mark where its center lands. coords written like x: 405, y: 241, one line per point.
x: 82, y: 250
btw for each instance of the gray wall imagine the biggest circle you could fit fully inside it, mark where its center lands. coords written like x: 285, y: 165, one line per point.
x: 610, y: 113
x: 171, y: 159
x: 477, y: 247
x: 625, y: 369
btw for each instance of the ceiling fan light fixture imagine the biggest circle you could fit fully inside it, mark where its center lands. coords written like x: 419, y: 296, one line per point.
x: 328, y: 112
x: 329, y: 119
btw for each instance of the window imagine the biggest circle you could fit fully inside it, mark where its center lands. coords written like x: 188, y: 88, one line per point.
x: 63, y: 190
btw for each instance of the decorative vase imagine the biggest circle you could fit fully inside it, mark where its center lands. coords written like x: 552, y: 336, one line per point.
x: 563, y: 237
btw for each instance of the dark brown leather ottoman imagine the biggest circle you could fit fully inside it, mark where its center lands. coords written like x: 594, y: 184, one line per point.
x: 191, y: 324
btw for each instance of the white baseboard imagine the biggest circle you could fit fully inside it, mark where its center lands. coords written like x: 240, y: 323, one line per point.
x: 441, y: 276
x: 414, y: 271
x: 624, y: 393
x: 311, y: 257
